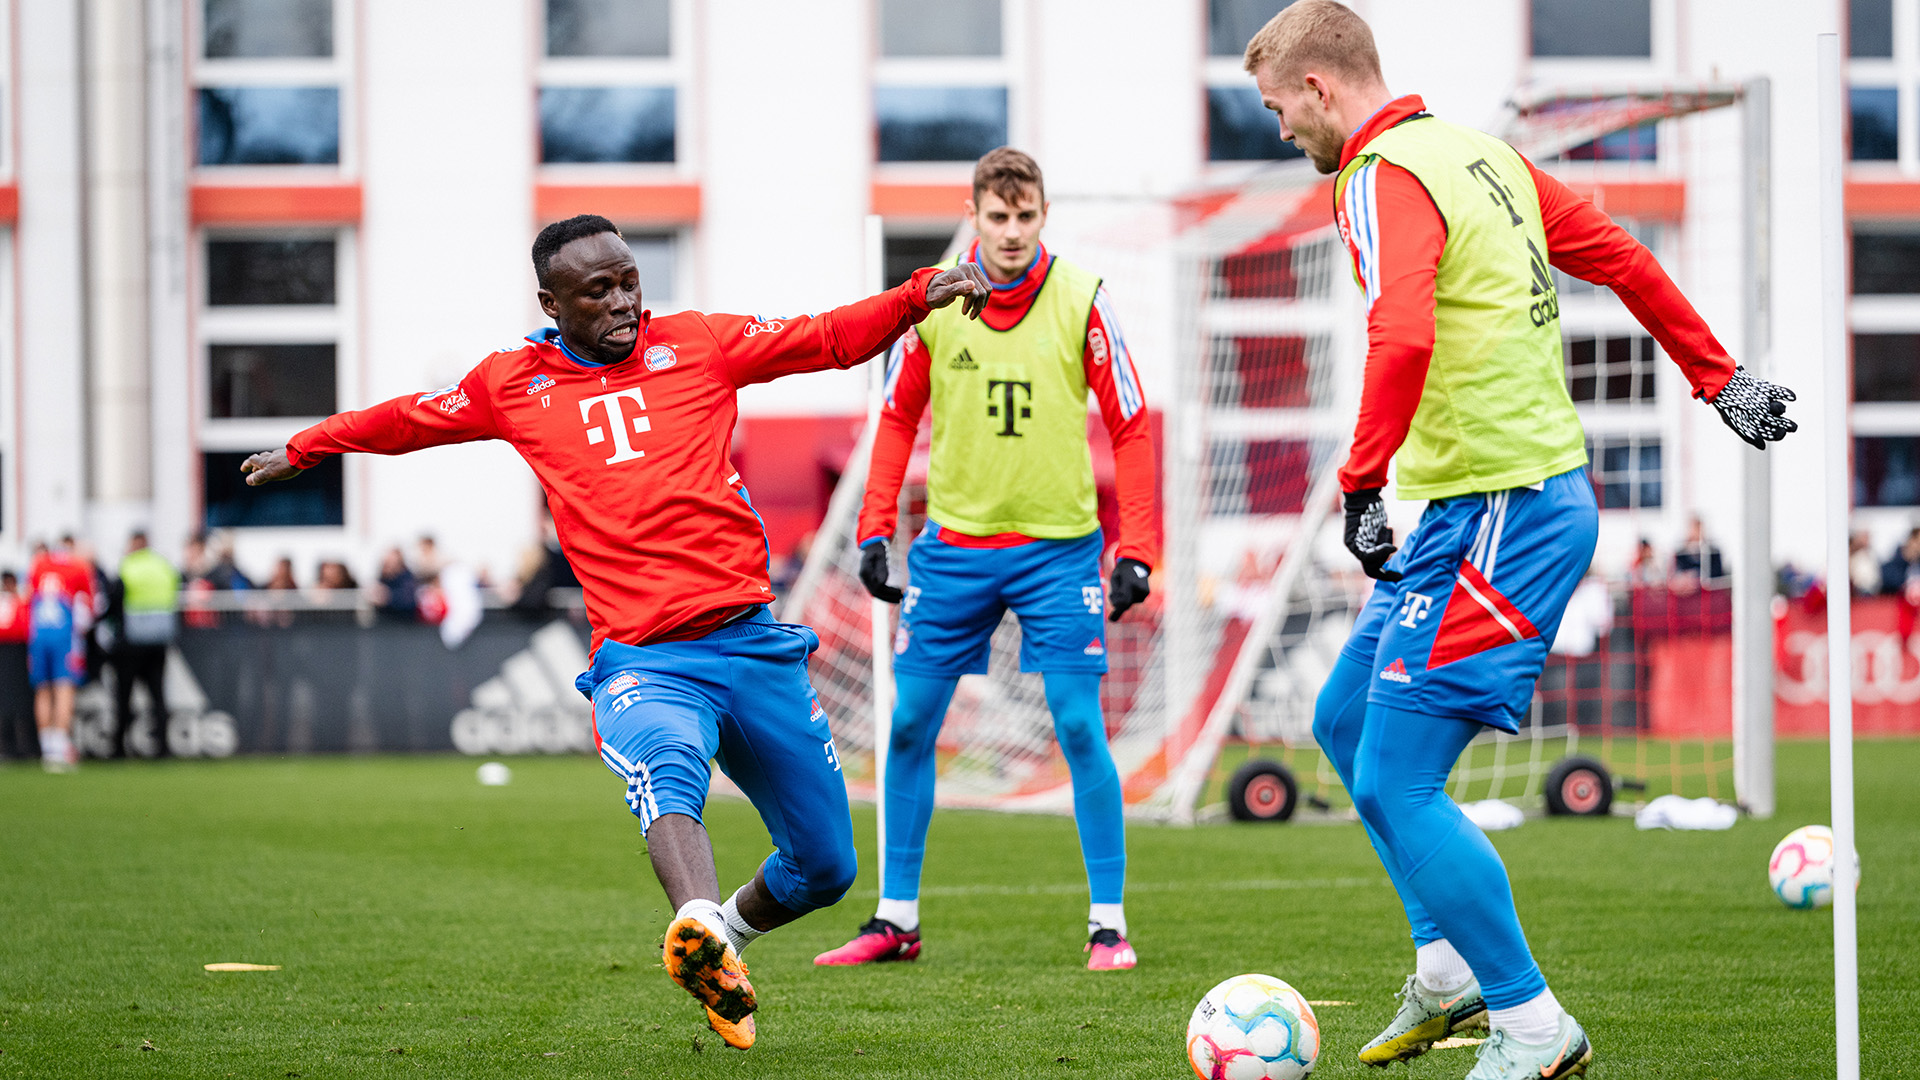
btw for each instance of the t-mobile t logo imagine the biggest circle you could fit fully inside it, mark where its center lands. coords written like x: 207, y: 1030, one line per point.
x: 1008, y: 409
x: 618, y: 423
x: 1414, y: 609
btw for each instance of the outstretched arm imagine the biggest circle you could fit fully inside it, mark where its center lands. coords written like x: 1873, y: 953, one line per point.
x: 459, y: 413
x: 908, y: 386
x: 1116, y: 386
x: 759, y: 350
x: 1584, y: 242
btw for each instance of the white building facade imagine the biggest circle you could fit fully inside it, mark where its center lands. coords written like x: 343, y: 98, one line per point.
x: 225, y: 219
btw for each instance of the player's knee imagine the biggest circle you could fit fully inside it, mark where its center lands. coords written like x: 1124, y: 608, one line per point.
x: 1081, y: 737
x: 1370, y: 798
x: 825, y: 877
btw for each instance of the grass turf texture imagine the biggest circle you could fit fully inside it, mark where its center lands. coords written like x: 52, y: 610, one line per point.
x: 431, y: 926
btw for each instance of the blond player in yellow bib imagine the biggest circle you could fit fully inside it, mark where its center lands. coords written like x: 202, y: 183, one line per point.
x: 1012, y: 523
x: 1454, y: 237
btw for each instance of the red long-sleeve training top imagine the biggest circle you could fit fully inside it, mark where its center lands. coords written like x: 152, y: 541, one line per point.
x: 1110, y: 375
x: 634, y: 456
x: 1411, y: 234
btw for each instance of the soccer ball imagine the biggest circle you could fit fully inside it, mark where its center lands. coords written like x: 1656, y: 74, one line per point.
x: 1253, y: 1027
x: 1801, y: 869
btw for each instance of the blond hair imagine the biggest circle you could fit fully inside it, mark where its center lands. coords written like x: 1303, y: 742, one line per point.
x: 1007, y: 172
x: 1315, y: 34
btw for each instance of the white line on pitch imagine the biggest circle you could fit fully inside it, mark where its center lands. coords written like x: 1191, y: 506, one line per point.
x: 1068, y: 889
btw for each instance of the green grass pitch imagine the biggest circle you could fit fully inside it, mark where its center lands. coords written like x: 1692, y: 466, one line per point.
x: 432, y: 927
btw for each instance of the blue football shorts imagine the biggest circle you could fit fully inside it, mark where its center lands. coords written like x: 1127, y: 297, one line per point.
x: 55, y: 656
x: 739, y: 697
x: 956, y: 597
x: 1485, y: 580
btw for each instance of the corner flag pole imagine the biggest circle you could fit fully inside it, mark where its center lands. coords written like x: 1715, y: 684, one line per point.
x: 879, y: 615
x: 1839, y: 490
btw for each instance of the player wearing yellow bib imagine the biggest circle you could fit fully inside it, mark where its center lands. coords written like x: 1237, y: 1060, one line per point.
x: 1012, y: 522
x: 1452, y: 234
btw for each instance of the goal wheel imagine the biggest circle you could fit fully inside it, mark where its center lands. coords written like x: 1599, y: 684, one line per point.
x: 1262, y: 791
x: 1579, y: 786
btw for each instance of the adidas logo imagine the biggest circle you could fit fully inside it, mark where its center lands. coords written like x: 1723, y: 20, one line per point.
x: 1094, y: 648
x: 531, y: 706
x: 1396, y: 672
x: 964, y: 362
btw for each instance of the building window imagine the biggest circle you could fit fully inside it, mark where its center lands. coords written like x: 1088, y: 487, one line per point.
x: 655, y: 256
x: 1886, y: 262
x: 1886, y: 470
x: 252, y: 29
x: 277, y: 379
x: 906, y: 253
x: 279, y: 272
x: 268, y: 83
x: 940, y: 123
x: 941, y: 84
x: 1239, y: 128
x: 1593, y: 28
x: 1610, y: 370
x: 1625, y: 471
x: 1886, y: 367
x: 1232, y: 23
x: 953, y: 28
x: 269, y: 125
x: 600, y: 28
x: 315, y: 497
x: 609, y: 86
x: 271, y: 335
x: 606, y: 124
x: 1874, y: 122
x: 1870, y: 28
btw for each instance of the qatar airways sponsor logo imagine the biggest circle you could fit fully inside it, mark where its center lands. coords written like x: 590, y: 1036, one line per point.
x: 449, y: 400
x: 763, y: 325
x: 623, y: 412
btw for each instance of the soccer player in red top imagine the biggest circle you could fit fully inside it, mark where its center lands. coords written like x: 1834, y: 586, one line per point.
x: 60, y: 592
x: 626, y: 420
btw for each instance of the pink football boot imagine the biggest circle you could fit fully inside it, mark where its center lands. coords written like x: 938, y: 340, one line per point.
x: 1108, y: 951
x: 878, y: 941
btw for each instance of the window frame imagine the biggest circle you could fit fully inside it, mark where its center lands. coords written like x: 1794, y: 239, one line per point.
x: 1005, y: 71
x: 334, y: 72
x: 673, y: 71
x: 1902, y: 72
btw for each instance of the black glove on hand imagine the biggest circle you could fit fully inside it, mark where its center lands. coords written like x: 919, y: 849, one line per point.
x: 1129, y: 586
x: 1367, y: 534
x: 873, y: 572
x: 1755, y: 409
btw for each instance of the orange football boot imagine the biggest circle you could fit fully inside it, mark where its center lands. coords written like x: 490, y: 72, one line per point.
x: 739, y: 1036
x: 705, y: 966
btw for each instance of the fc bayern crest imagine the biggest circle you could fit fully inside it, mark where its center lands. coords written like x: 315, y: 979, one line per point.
x: 659, y: 358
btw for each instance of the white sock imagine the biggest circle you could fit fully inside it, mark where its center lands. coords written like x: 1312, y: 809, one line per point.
x: 1441, y: 968
x: 1535, y: 1022
x: 904, y: 914
x: 708, y: 913
x: 1106, y: 916
x: 53, y: 745
x: 740, y: 932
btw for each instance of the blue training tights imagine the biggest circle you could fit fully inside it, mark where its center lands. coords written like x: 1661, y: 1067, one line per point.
x: 1394, y: 763
x: 1074, y: 700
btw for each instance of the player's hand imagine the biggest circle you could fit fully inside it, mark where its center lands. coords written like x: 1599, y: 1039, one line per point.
x: 966, y: 279
x: 268, y: 466
x: 1128, y: 587
x: 873, y: 572
x: 1368, y: 536
x: 1755, y: 409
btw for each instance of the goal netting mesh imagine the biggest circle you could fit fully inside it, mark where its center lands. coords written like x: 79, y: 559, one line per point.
x: 1247, y: 289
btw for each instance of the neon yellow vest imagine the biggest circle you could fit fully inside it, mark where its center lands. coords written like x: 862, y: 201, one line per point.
x: 1494, y: 413
x: 1010, y: 416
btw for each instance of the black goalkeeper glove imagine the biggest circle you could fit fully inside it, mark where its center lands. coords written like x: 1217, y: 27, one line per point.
x: 873, y: 572
x: 1129, y: 586
x: 1367, y: 534
x: 1755, y: 409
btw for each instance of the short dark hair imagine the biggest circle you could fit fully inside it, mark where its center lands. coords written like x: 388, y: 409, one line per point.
x: 560, y: 234
x: 1007, y: 173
